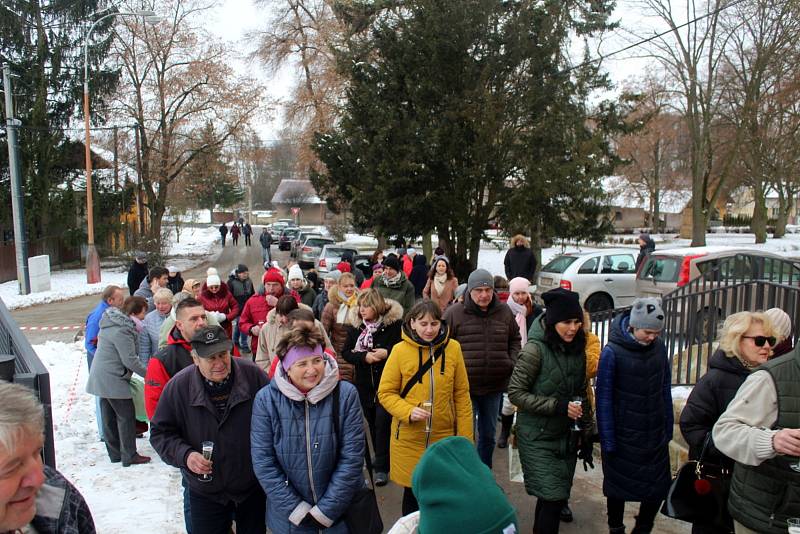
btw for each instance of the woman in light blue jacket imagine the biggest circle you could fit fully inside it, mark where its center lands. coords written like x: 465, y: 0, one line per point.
x: 148, y: 337
x: 309, y: 469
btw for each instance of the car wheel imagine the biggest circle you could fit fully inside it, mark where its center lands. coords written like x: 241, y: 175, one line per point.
x: 598, y: 302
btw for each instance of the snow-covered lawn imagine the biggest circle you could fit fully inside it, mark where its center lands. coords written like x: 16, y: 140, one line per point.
x: 140, y: 498
x: 196, y: 244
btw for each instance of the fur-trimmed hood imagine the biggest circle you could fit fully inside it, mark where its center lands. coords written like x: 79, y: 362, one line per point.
x: 394, y: 314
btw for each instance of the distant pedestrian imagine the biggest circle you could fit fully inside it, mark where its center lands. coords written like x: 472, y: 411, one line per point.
x: 340, y: 313
x: 235, y: 232
x: 254, y: 314
x: 441, y: 284
x: 635, y: 415
x: 646, y: 247
x: 223, y: 232
x: 419, y: 274
x: 394, y: 284
x: 328, y: 281
x: 297, y: 282
x: 265, y: 239
x: 137, y: 271
x: 307, y: 439
x: 424, y: 370
x: 241, y: 287
x: 212, y: 402
x: 116, y: 360
x: 490, y: 341
x: 217, y: 298
x: 347, y: 257
x: 156, y: 279
x: 407, y: 260
x: 175, y: 281
x: 520, y: 260
x: 247, y: 230
x: 377, y: 272
x: 377, y: 257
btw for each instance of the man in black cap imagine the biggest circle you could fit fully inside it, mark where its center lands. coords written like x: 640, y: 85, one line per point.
x: 242, y: 289
x: 490, y: 340
x: 212, y: 401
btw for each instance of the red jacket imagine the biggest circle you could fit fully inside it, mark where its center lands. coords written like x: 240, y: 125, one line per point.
x: 254, y: 314
x: 408, y: 264
x: 222, y: 301
x: 164, y: 365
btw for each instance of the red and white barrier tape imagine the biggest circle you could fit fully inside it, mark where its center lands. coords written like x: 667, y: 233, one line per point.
x: 52, y: 328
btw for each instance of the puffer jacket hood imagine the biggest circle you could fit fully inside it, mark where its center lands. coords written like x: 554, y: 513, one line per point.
x: 719, y: 360
x: 145, y: 283
x: 318, y: 392
x: 442, y: 338
x: 116, y: 317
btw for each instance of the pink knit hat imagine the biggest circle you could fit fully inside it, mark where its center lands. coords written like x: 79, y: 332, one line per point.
x: 518, y: 284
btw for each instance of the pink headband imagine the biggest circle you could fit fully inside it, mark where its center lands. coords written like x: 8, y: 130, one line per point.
x: 296, y: 354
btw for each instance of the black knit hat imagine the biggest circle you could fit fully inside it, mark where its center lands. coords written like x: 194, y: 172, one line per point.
x: 242, y: 268
x: 561, y: 305
x: 392, y: 262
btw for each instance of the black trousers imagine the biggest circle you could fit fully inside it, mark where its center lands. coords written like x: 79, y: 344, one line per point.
x: 212, y: 517
x: 547, y: 517
x: 645, y: 519
x: 380, y: 430
x: 119, y: 429
x: 247, y: 240
x: 410, y: 504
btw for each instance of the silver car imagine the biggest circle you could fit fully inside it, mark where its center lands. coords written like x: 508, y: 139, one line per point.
x: 331, y: 255
x: 309, y: 251
x: 604, y: 279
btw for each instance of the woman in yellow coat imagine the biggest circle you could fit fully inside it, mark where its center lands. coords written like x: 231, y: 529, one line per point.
x: 427, y: 406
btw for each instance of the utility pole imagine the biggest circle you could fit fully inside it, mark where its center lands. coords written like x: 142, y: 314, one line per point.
x: 17, y: 201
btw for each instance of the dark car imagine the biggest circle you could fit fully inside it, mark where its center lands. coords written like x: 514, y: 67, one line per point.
x: 287, y: 235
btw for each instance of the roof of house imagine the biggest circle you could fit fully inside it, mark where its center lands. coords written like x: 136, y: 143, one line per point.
x: 296, y: 192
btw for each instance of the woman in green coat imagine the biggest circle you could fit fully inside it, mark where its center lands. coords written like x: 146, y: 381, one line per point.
x: 548, y: 379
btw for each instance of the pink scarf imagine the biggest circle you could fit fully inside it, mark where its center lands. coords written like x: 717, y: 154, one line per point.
x: 364, y: 342
x: 520, y: 313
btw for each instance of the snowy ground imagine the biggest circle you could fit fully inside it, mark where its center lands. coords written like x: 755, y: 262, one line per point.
x: 196, y: 245
x: 140, y: 498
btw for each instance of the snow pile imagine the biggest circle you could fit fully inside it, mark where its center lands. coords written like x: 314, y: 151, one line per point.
x: 122, y: 499
x: 65, y: 285
x: 194, y: 241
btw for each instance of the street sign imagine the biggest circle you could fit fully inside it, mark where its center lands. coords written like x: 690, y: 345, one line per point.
x: 295, y: 211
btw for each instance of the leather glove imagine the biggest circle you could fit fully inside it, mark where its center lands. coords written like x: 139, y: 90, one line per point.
x: 310, y: 522
x: 585, y: 453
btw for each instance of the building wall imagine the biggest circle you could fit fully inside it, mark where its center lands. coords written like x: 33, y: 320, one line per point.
x: 627, y: 219
x: 310, y: 215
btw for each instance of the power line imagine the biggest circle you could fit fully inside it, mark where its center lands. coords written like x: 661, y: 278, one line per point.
x: 653, y: 37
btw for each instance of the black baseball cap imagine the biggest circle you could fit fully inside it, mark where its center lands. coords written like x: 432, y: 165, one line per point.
x: 211, y: 340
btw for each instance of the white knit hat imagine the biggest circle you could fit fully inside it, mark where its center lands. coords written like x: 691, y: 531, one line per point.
x: 295, y: 273
x: 781, y: 322
x: 213, y: 280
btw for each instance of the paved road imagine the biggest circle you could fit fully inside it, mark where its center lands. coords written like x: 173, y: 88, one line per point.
x: 587, y: 503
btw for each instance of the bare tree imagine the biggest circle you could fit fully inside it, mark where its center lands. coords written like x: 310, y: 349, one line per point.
x: 757, y: 62
x: 176, y: 79
x: 690, y: 57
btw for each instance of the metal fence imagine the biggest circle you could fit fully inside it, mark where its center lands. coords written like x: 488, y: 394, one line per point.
x: 695, y: 312
x: 28, y: 371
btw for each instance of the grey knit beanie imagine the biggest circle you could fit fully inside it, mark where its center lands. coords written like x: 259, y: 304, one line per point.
x: 647, y: 314
x: 480, y: 278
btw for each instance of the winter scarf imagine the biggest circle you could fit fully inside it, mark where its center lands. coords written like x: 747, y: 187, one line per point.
x: 138, y: 323
x: 394, y: 281
x: 438, y: 282
x: 364, y: 342
x: 520, y: 312
x: 344, y: 307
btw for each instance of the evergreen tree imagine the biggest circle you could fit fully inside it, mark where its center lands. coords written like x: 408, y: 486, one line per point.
x: 42, y: 41
x: 210, y: 181
x: 458, y: 112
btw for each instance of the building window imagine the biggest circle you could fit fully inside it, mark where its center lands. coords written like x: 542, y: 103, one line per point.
x: 617, y: 216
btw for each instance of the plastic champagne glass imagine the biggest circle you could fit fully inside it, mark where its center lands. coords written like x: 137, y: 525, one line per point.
x: 428, y: 407
x: 794, y: 524
x: 208, y: 450
x: 579, y: 401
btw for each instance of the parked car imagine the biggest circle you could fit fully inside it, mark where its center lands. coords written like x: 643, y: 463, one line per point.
x: 310, y: 250
x: 604, y: 279
x: 285, y: 241
x: 300, y: 239
x: 330, y: 256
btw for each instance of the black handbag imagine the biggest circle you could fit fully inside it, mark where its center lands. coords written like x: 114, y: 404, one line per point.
x: 363, y: 514
x: 699, y: 494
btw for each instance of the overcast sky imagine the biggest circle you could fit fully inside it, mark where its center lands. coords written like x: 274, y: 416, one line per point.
x: 236, y: 18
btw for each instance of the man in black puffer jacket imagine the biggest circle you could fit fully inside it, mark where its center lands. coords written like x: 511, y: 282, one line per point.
x: 242, y: 289
x: 520, y: 260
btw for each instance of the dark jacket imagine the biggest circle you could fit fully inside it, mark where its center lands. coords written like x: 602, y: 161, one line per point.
x: 166, y: 363
x: 644, y: 251
x: 175, y: 283
x: 60, y: 508
x: 419, y: 274
x: 707, y: 401
x: 116, y: 358
x: 347, y: 256
x: 223, y: 229
x: 307, y: 294
x: 319, y: 304
x: 402, y: 291
x: 136, y: 274
x: 520, y: 261
x: 186, y: 417
x: 368, y: 376
x: 265, y: 239
x: 241, y: 290
x: 490, y: 341
x: 247, y: 229
x: 634, y: 416
x: 302, y: 462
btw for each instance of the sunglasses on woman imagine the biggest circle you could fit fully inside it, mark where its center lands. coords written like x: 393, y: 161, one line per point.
x: 760, y: 340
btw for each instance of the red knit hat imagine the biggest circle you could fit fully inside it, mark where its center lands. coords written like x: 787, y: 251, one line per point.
x: 343, y: 267
x: 273, y: 275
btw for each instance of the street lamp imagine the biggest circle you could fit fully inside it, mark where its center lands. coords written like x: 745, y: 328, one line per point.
x: 92, y: 258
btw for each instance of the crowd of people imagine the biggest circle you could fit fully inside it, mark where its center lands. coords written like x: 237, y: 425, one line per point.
x: 271, y: 399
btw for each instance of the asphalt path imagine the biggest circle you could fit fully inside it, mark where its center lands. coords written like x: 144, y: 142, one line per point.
x: 588, y: 503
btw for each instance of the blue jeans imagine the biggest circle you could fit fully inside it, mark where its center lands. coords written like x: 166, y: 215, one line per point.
x: 187, y: 506
x: 240, y: 339
x: 486, y: 409
x: 97, y: 415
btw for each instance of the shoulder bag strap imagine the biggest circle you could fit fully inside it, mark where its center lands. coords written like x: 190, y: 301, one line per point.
x: 416, y: 378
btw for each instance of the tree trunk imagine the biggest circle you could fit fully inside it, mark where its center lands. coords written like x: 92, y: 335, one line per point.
x: 698, y: 216
x: 758, y: 225
x: 427, y: 249
x: 783, y: 215
x: 536, y: 245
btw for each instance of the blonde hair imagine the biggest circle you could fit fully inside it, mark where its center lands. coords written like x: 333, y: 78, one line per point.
x: 735, y: 327
x: 347, y: 276
x: 21, y: 415
x: 163, y: 294
x: 371, y: 298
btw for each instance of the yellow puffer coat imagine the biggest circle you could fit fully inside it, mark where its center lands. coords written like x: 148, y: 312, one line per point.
x: 592, y: 360
x: 452, y: 407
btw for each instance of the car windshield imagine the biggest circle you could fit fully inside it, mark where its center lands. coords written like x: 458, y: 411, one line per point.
x: 290, y: 233
x: 316, y: 242
x: 559, y: 264
x: 335, y: 252
x: 661, y: 269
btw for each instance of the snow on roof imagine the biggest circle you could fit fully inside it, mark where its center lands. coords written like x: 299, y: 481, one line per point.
x: 623, y: 194
x: 292, y: 191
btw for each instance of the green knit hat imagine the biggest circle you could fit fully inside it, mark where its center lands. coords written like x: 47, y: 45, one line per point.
x: 457, y: 492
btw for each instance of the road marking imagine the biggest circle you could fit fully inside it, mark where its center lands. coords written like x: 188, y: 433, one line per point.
x: 77, y: 327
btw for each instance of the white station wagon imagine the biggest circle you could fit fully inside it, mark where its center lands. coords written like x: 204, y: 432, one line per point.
x: 604, y: 279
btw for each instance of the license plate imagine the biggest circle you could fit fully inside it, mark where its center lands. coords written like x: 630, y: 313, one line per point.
x: 546, y: 281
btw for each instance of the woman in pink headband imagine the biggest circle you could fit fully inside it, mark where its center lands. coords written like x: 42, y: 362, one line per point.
x: 307, y: 458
